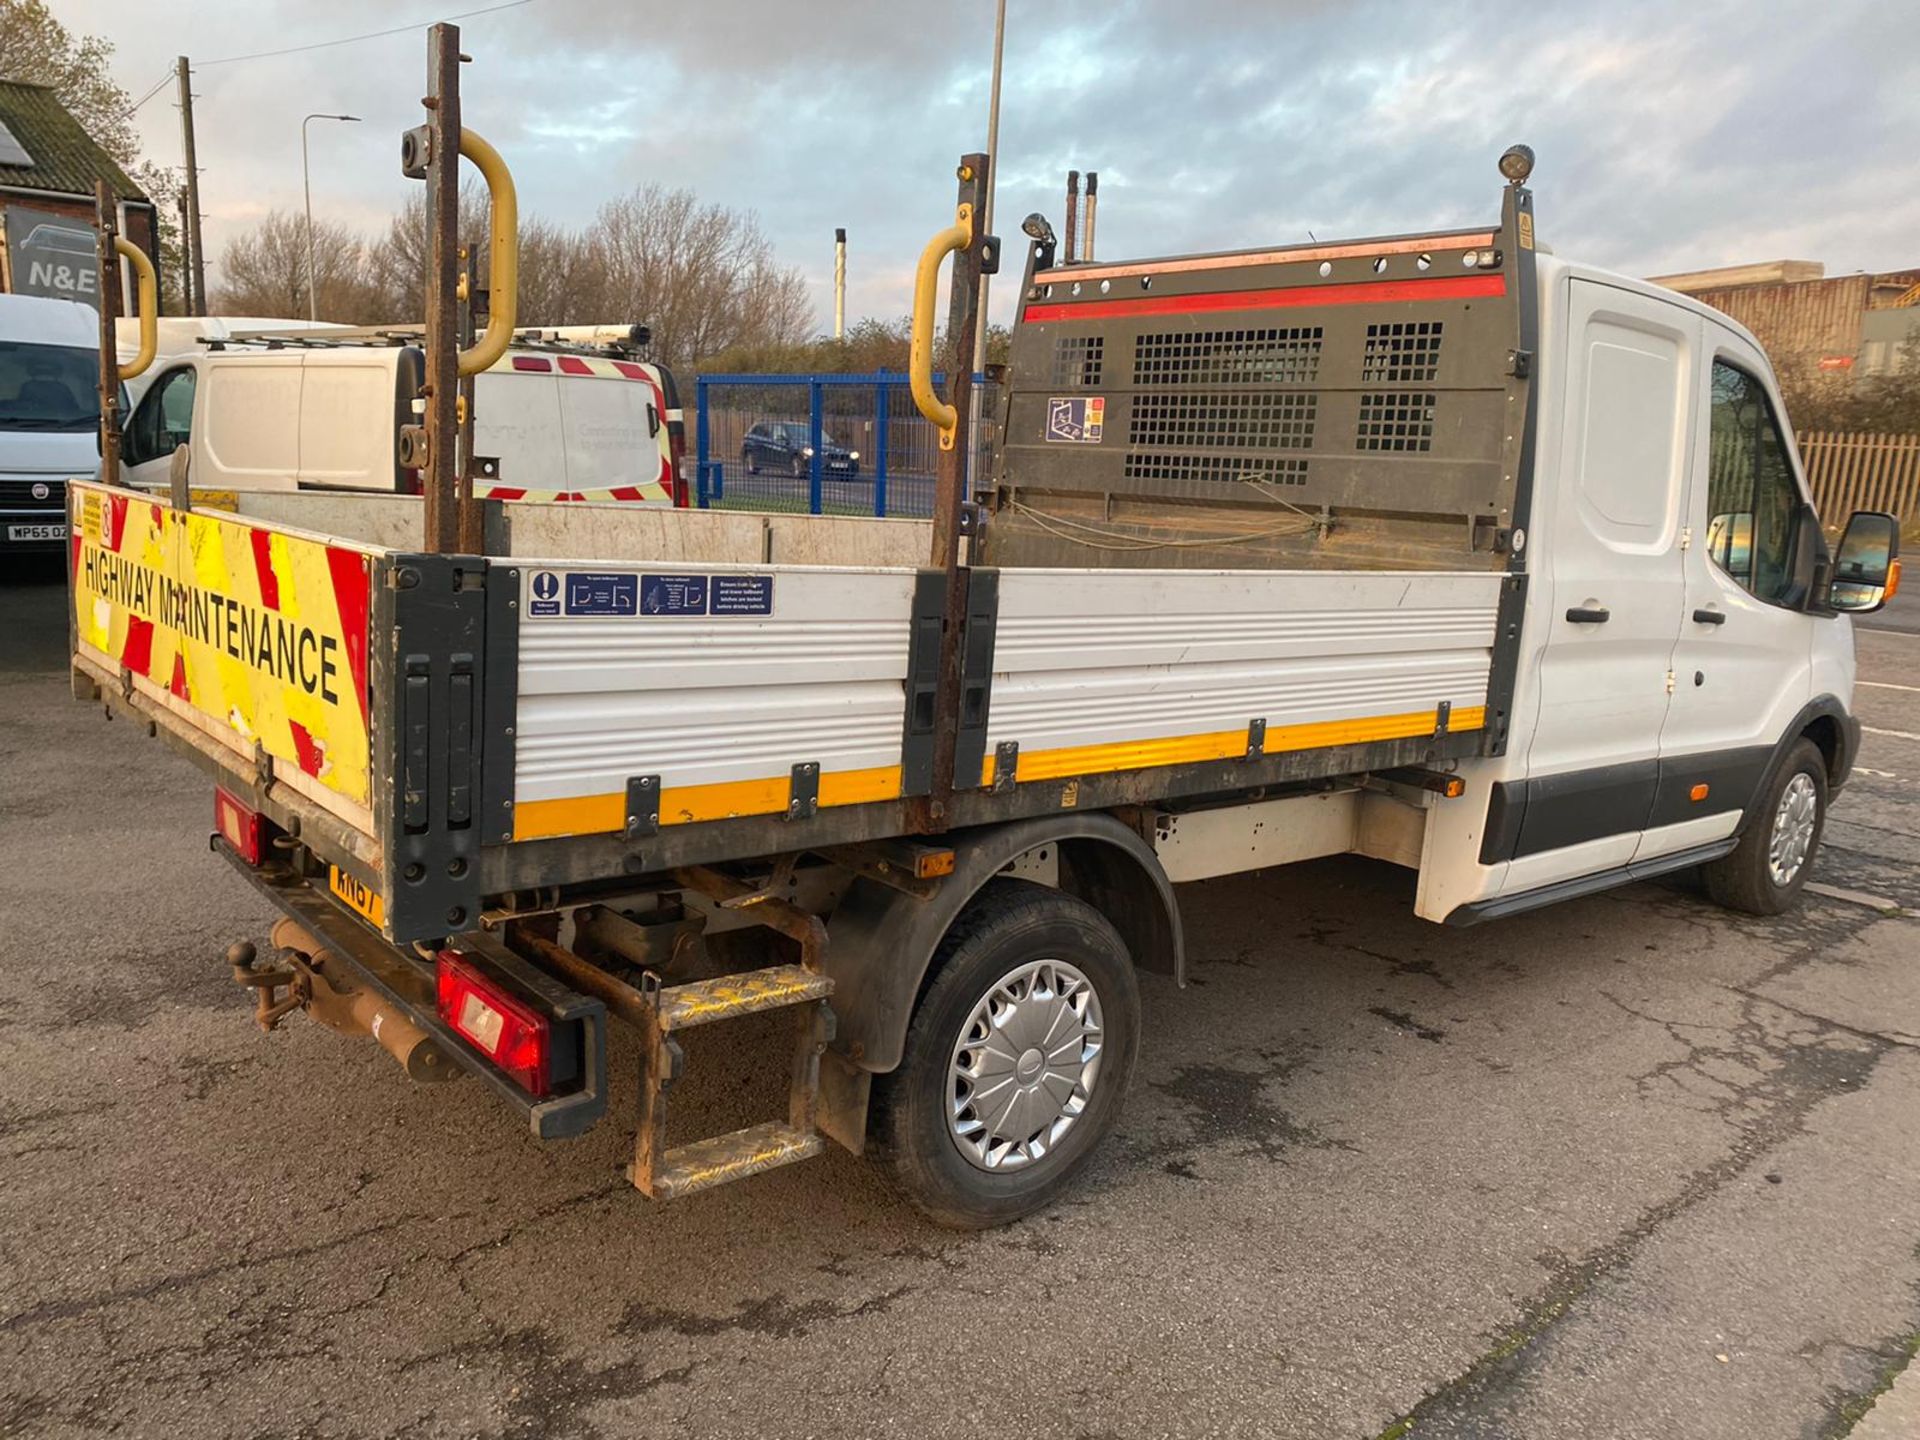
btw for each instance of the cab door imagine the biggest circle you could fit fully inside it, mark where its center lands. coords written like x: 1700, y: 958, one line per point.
x: 1743, y: 661
x: 1614, y: 585
x: 160, y: 424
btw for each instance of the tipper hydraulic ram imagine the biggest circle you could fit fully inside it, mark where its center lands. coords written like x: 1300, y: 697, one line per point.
x: 1246, y: 585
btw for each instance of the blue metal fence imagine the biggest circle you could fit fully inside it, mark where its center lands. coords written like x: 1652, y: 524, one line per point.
x: 872, y: 416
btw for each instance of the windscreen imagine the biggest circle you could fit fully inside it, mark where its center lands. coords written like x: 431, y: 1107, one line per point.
x: 48, y: 387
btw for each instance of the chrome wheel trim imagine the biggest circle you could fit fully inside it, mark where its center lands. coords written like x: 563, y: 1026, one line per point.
x: 1793, y: 824
x: 1024, y: 1066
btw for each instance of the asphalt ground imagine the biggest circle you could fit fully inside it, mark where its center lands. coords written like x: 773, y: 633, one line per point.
x: 1628, y: 1167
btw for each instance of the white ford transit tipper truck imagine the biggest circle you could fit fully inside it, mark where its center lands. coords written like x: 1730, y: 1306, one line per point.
x: 1436, y: 548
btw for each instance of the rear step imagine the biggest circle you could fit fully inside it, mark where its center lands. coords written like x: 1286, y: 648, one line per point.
x: 720, y: 1158
x: 681, y: 1007
x: 663, y: 1174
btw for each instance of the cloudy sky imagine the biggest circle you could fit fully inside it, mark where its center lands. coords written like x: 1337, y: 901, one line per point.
x: 1670, y: 136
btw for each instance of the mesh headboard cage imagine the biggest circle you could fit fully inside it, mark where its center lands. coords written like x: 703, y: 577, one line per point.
x: 1350, y: 404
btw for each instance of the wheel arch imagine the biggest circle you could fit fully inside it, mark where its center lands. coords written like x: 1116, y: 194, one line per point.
x: 1834, y: 733
x: 881, y: 940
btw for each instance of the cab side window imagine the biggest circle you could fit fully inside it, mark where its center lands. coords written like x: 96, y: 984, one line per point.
x: 164, y: 419
x: 1753, y: 504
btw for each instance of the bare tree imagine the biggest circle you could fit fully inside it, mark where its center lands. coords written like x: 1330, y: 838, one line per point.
x: 264, y: 273
x: 563, y: 278
x: 396, y: 264
x: 702, y: 276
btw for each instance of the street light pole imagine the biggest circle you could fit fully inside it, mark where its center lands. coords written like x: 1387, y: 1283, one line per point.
x: 306, y: 183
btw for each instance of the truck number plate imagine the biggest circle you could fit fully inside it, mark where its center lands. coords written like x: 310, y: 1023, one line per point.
x: 37, y: 532
x: 363, y: 900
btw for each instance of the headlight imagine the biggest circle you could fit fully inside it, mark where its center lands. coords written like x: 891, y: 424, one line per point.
x: 808, y: 452
x: 853, y: 454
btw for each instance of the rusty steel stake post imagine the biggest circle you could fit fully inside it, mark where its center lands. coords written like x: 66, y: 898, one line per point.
x: 950, y: 485
x: 442, y: 523
x: 106, y: 231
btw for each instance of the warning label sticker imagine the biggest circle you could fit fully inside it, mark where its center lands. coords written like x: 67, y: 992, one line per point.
x: 673, y: 594
x: 1076, y: 419
x: 592, y: 592
x: 546, y: 594
x: 743, y: 595
x: 614, y: 594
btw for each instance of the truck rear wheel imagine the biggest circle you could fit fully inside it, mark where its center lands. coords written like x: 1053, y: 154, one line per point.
x: 1016, y: 1061
x: 1764, y: 873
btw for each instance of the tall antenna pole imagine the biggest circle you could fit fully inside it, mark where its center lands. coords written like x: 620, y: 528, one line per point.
x: 197, y: 268
x: 839, y: 284
x: 993, y: 172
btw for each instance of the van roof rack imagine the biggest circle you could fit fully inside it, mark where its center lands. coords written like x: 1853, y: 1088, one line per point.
x: 625, y: 342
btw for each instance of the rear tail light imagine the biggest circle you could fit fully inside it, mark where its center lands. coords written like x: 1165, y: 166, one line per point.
x: 244, y: 829
x: 677, y: 479
x: 411, y: 482
x: 508, y: 1031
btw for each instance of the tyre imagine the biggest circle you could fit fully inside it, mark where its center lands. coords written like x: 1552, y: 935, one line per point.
x: 751, y: 465
x: 1764, y: 873
x: 799, y: 467
x: 1016, y: 1061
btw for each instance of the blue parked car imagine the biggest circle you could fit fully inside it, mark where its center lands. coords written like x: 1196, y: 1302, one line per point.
x: 787, y: 445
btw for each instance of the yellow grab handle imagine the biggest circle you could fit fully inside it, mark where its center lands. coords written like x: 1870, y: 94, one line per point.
x: 149, y: 306
x: 503, y: 274
x: 956, y: 236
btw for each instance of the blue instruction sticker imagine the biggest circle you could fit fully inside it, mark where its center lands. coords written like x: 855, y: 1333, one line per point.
x: 673, y: 594
x: 546, y: 595
x: 743, y: 595
x: 599, y: 593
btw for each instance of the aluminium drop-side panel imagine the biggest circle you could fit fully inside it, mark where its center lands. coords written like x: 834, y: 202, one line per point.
x: 715, y: 681
x: 1124, y: 669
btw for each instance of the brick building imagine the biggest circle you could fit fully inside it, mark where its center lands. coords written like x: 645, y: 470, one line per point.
x: 1842, y: 325
x: 48, y: 166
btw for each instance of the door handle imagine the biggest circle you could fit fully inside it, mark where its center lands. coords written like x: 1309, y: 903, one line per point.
x: 1582, y: 615
x: 1709, y: 617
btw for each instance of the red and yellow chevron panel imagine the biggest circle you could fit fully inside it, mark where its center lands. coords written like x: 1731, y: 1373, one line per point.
x: 262, y: 632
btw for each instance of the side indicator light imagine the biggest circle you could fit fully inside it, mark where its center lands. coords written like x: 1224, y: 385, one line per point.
x: 241, y: 827
x: 507, y: 1031
x: 1893, y: 580
x: 1456, y: 787
x: 1697, y: 794
x: 930, y: 864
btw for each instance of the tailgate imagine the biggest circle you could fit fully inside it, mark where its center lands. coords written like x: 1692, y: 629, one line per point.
x: 335, y: 688
x: 253, y: 636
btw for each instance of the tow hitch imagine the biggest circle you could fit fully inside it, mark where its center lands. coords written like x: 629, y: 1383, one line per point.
x: 307, y: 976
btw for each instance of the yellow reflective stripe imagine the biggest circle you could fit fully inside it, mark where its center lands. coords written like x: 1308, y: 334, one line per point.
x: 689, y: 804
x: 1227, y: 744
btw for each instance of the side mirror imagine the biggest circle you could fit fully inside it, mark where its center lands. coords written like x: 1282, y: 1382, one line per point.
x: 1866, y: 567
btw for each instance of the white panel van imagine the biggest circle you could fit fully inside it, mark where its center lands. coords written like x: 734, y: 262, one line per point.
x: 563, y: 426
